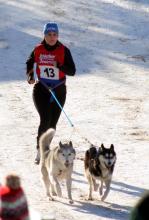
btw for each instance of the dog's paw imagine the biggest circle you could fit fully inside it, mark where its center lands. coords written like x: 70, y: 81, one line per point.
x: 89, y: 198
x: 103, y: 198
x: 70, y: 201
x: 50, y: 198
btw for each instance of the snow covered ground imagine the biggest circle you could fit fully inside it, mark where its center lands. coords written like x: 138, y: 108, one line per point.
x: 107, y: 100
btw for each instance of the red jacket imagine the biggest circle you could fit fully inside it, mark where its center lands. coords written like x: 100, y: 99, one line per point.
x: 53, y: 63
x: 47, y: 59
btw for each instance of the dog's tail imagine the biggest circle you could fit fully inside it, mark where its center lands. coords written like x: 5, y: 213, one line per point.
x: 44, y: 142
x: 89, y: 154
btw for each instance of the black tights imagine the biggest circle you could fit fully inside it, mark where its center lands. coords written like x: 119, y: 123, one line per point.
x: 48, y: 109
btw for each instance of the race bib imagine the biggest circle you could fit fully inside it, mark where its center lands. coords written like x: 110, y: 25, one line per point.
x: 49, y: 72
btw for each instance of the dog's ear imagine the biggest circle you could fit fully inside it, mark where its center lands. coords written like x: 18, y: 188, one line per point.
x: 70, y: 143
x: 60, y: 144
x: 74, y: 151
x: 112, y: 147
x: 101, y: 149
x: 102, y: 146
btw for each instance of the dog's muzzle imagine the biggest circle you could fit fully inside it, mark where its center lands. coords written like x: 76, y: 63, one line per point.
x: 67, y: 164
x: 108, y: 165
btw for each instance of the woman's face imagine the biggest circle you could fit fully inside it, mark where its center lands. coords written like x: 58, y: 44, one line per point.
x: 51, y: 38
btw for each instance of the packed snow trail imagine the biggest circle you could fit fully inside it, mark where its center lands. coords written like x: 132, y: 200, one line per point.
x: 107, y: 100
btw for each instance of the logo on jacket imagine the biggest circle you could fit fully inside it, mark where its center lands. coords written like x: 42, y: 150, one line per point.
x: 47, y: 58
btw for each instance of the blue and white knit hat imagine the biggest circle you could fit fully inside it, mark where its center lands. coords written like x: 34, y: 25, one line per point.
x: 50, y: 27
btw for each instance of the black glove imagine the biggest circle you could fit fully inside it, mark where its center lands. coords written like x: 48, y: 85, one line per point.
x: 30, y: 78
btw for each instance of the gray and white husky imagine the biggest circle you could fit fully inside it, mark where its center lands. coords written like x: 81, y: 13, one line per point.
x: 99, y: 165
x: 56, y: 164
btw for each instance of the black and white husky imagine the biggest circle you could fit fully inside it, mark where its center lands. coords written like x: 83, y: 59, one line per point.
x: 99, y: 165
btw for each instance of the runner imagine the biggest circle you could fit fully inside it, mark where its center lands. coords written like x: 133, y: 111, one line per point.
x: 53, y: 62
